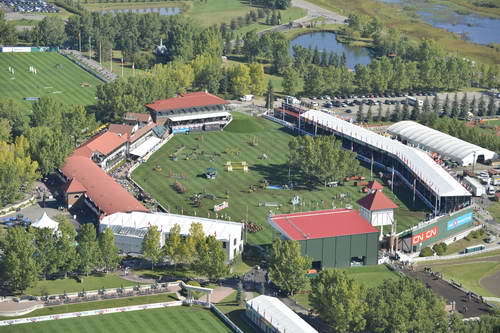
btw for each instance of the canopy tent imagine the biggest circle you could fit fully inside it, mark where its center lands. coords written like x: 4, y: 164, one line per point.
x: 146, y: 147
x: 46, y: 222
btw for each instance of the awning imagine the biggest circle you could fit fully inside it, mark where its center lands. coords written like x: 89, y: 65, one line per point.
x: 146, y: 147
x: 198, y: 116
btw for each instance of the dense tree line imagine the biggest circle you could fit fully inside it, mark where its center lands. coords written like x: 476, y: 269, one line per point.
x: 321, y: 159
x: 204, y: 254
x: 29, y: 255
x: 8, y: 35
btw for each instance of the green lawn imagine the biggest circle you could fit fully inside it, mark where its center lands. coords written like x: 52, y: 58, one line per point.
x: 469, y: 274
x: 462, y: 244
x: 235, y: 144
x: 494, y: 210
x: 368, y: 276
x: 235, y: 312
x: 71, y: 285
x: 287, y: 15
x: 111, y: 303
x: 172, y: 320
x: 63, y: 83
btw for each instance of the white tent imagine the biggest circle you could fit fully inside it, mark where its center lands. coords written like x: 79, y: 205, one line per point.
x: 46, y: 222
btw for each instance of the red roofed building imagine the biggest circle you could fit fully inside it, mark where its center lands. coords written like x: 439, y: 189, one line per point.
x: 106, y: 149
x: 87, y: 183
x: 133, y: 118
x: 375, y: 185
x: 332, y: 238
x: 196, y: 111
x: 378, y: 209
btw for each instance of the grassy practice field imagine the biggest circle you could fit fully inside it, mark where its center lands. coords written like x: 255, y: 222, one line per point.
x: 245, y: 139
x: 172, y: 320
x: 470, y: 274
x: 56, y: 77
x: 71, y: 285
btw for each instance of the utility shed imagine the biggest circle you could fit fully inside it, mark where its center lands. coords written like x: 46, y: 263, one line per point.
x: 332, y: 238
x: 273, y: 316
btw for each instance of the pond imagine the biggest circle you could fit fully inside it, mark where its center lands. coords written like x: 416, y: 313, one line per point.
x: 326, y: 41
x: 475, y: 28
x: 160, y: 10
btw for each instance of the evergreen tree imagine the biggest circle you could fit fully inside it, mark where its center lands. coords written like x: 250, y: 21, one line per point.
x: 426, y: 108
x: 316, y: 57
x: 491, y: 106
x: 446, y: 107
x: 464, y: 107
x: 360, y: 117
x: 380, y: 112
x: 481, y: 108
x: 455, y: 107
x: 396, y: 114
x: 405, y: 115
x: 270, y: 95
x: 436, y: 106
x: 415, y: 112
x: 369, y: 114
x: 473, y: 106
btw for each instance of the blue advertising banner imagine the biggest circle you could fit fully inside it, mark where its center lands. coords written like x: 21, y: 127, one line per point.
x: 180, y: 130
x: 460, y: 221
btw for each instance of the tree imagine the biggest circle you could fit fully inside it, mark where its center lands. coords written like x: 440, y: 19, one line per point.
x: 88, y: 249
x: 369, y: 114
x: 270, y: 95
x: 455, y: 107
x: 404, y: 305
x: 379, y: 113
x: 405, y: 115
x: 291, y: 81
x: 20, y: 267
x: 8, y: 35
x: 360, y: 117
x: 49, y: 32
x: 67, y: 255
x: 151, y: 248
x: 108, y: 249
x: 207, y: 72
x: 415, y: 112
x: 314, y: 83
x: 211, y: 258
x: 49, y: 147
x: 321, y: 159
x: 464, y: 107
x: 339, y: 301
x: 436, y: 106
x: 446, y: 107
x: 473, y: 106
x: 251, y: 48
x: 46, y: 250
x: 257, y: 78
x: 481, y: 108
x: 287, y: 267
x: 196, y: 236
x: 174, y: 246
x: 5, y: 130
x: 240, y: 81
x: 16, y: 114
x: 396, y: 114
x: 491, y: 106
x: 426, y: 108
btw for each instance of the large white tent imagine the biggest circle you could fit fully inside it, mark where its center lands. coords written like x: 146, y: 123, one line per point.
x: 448, y: 146
x: 46, y: 222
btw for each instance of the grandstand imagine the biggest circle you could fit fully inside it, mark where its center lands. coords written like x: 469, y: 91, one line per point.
x: 426, y: 138
x: 441, y: 192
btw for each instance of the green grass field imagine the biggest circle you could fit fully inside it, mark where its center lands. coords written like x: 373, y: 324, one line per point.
x: 470, y: 274
x: 64, y: 83
x: 235, y: 144
x: 106, y: 304
x: 368, y: 276
x: 172, y: 320
x: 71, y: 285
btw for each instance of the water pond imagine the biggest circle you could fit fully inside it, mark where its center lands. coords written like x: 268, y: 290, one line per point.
x: 326, y: 41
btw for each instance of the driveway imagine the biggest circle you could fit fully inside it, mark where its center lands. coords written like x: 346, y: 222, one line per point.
x: 314, y: 11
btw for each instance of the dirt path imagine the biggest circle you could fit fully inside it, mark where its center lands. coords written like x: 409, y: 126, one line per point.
x: 491, y: 283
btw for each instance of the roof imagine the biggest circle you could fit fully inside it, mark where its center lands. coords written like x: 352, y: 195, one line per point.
x: 104, y: 143
x: 279, y: 315
x: 140, y: 117
x: 321, y: 224
x: 376, y: 201
x: 125, y: 130
x: 141, y: 132
x: 108, y: 195
x: 46, y: 222
x: 439, y: 142
x: 146, y: 146
x: 195, y: 99
x: 74, y: 186
x: 137, y: 223
x: 428, y: 171
x: 375, y: 185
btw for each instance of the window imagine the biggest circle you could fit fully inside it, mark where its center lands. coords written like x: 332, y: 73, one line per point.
x: 224, y: 245
x: 234, y: 243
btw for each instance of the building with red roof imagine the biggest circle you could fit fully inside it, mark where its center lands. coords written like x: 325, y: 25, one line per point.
x: 196, y: 111
x: 375, y: 185
x: 332, y: 238
x: 87, y: 183
x: 106, y: 149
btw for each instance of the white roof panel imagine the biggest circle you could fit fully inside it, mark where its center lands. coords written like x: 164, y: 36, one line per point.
x: 165, y: 222
x: 436, y: 141
x: 279, y: 315
x: 440, y: 181
x: 146, y: 146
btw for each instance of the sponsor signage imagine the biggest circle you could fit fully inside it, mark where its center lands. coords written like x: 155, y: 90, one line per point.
x: 423, y: 236
x: 180, y: 130
x: 459, y: 221
x: 221, y: 206
x: 21, y: 49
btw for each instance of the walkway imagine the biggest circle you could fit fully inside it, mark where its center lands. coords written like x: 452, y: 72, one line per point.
x: 11, y: 308
x: 314, y: 11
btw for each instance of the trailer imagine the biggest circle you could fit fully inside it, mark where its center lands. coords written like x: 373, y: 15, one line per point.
x: 475, y: 187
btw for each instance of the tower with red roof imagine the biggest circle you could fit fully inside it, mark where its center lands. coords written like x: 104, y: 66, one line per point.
x: 377, y: 208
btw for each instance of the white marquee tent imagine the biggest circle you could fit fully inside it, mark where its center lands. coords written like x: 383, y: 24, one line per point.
x: 46, y: 222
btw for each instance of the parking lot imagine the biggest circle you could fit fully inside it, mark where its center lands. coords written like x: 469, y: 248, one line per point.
x: 30, y: 6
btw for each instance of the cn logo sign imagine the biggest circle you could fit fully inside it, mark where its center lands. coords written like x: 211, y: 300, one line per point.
x: 423, y: 236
